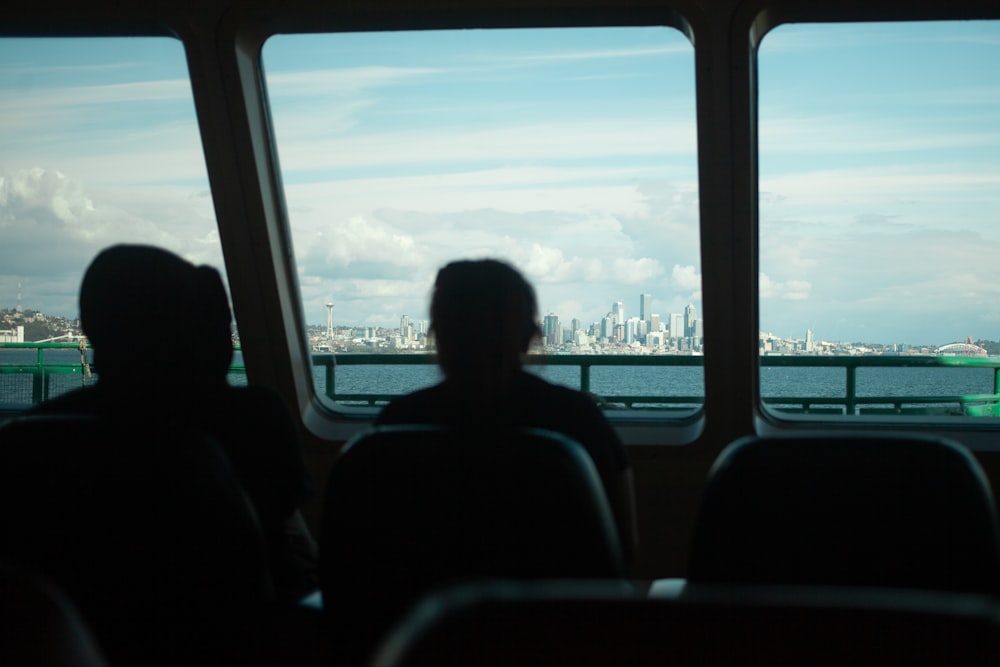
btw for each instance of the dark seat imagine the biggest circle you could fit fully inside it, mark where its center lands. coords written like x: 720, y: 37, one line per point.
x: 585, y: 624
x: 856, y: 510
x: 39, y: 626
x: 413, y: 508
x: 144, y: 527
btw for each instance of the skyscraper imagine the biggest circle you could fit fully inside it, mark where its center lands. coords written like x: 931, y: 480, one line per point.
x: 645, y: 307
x: 690, y: 314
x: 551, y: 329
x: 676, y: 325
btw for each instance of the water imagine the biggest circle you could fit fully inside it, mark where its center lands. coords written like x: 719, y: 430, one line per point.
x: 676, y: 381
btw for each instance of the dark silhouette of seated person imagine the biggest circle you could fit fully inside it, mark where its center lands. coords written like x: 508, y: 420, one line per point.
x: 161, y: 330
x: 484, y: 319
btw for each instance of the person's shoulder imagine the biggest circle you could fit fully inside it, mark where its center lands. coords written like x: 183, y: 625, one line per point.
x: 534, y: 386
x: 254, y: 396
x: 85, y: 400
x: 420, y: 406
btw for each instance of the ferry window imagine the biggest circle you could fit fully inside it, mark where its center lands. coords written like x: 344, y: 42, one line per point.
x: 570, y: 153
x: 879, y: 153
x: 98, y: 145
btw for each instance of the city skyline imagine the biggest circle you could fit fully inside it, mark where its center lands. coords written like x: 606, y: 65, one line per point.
x: 328, y: 331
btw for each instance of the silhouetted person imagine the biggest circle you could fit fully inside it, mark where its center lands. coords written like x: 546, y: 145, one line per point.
x: 161, y: 330
x: 484, y: 319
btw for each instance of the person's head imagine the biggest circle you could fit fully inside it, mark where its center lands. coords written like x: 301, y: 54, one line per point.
x: 147, y: 312
x: 483, y: 318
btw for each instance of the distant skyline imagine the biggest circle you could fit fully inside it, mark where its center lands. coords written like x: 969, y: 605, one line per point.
x: 571, y: 153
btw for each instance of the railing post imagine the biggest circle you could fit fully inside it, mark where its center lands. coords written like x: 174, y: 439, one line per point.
x: 584, y: 376
x: 852, y: 378
x: 38, y: 380
x: 331, y: 379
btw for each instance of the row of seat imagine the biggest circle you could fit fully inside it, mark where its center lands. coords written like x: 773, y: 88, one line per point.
x: 592, y: 624
x: 413, y: 509
x: 153, y: 539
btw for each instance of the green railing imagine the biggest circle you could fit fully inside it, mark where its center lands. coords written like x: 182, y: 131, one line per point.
x: 978, y: 405
x: 849, y: 402
x: 25, y: 383
x: 31, y: 382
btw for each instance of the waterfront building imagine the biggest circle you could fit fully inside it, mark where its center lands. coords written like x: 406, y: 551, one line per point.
x: 604, y: 328
x: 689, y: 317
x: 645, y: 307
x: 551, y: 329
x: 632, y: 329
x: 15, y: 335
x: 677, y: 325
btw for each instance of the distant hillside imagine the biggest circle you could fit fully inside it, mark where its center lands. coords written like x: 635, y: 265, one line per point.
x: 992, y: 347
x: 38, y: 326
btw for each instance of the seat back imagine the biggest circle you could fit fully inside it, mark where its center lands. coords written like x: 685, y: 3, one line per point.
x: 857, y: 510
x: 584, y: 624
x: 144, y: 527
x: 413, y: 508
x: 39, y: 626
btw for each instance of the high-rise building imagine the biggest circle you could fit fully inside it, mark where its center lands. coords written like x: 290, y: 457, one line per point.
x: 690, y: 314
x: 608, y: 327
x: 551, y: 329
x: 631, y: 329
x: 641, y: 329
x: 676, y: 325
x: 645, y: 307
x: 618, y: 310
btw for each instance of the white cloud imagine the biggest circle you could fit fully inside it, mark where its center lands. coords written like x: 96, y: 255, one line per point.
x: 361, y: 240
x: 638, y: 271
x: 342, y: 81
x: 685, y: 277
x: 53, y: 225
x: 790, y: 290
x: 555, y: 140
x: 684, y: 48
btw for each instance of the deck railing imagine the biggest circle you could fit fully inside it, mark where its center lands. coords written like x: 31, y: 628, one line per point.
x: 31, y: 382
x: 849, y: 402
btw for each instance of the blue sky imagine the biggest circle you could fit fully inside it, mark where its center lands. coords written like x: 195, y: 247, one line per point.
x: 571, y: 153
x: 880, y: 181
